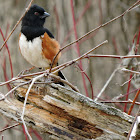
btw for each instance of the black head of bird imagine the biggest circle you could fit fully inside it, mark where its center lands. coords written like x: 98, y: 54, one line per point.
x: 35, y: 17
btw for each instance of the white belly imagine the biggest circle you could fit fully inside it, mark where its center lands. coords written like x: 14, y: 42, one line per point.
x: 32, y: 51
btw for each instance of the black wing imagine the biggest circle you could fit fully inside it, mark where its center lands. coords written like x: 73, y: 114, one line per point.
x: 33, y: 32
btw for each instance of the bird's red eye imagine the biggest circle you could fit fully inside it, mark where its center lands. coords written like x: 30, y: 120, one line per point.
x: 36, y: 13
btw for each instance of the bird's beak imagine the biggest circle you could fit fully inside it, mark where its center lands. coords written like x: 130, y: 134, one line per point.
x: 45, y: 15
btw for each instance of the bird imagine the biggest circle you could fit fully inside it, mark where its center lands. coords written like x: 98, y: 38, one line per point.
x: 36, y: 43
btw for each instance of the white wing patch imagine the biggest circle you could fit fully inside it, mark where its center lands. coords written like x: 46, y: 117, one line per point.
x: 32, y: 51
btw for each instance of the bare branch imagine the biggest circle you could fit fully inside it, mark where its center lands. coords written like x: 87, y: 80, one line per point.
x: 64, y: 81
x: 25, y: 101
x: 129, y: 101
x: 9, y: 127
x: 132, y: 131
x: 102, y: 25
x: 112, y: 56
x: 106, y: 84
x: 55, y: 69
x: 22, y: 84
x: 16, y: 24
x: 62, y: 66
x: 129, y: 71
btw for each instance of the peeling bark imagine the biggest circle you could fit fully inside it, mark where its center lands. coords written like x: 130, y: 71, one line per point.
x: 67, y: 114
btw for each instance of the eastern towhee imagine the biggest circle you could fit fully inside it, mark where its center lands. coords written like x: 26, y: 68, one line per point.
x: 36, y: 43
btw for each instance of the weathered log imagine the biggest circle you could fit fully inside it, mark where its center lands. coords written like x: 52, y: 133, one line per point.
x: 67, y: 114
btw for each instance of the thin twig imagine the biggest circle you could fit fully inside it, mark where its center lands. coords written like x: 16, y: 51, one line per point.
x: 133, y: 103
x: 37, y: 82
x: 37, y: 135
x: 131, y: 92
x: 77, y: 46
x: 127, y: 81
x: 58, y: 23
x: 16, y: 24
x: 8, y: 51
x: 13, y: 79
x: 25, y: 101
x: 102, y: 25
x: 130, y: 134
x: 62, y: 66
x: 64, y: 81
x: 93, y: 49
x: 9, y: 127
x: 129, y: 101
x: 130, y: 71
x: 14, y: 89
x: 113, y: 56
x: 92, y: 93
x: 128, y: 88
x: 87, y: 6
x: 86, y: 56
x: 106, y: 84
x: 4, y: 61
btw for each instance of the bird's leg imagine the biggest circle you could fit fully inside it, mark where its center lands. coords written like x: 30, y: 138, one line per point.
x: 47, y: 77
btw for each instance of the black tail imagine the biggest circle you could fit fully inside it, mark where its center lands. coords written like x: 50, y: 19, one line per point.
x: 60, y: 74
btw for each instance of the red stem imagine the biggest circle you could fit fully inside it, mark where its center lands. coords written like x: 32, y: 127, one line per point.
x: 58, y: 23
x: 118, y: 105
x: 4, y: 61
x: 5, y: 74
x: 26, y: 137
x: 129, y: 83
x: 131, y: 92
x: 78, y: 50
x: 37, y: 135
x: 7, y: 29
x: 132, y: 105
x: 138, y: 92
x: 137, y: 44
x: 134, y: 38
x: 138, y: 40
x: 10, y: 60
x: 101, y: 13
x: 115, y: 45
x: 100, y: 22
x: 92, y: 93
x: 88, y: 4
